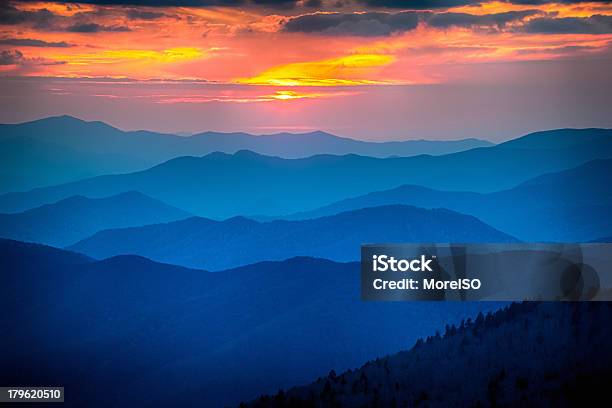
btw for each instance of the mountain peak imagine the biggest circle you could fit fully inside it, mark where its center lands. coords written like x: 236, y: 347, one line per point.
x: 246, y: 153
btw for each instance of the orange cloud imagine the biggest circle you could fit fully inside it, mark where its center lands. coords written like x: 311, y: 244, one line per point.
x: 186, y: 40
x: 118, y: 56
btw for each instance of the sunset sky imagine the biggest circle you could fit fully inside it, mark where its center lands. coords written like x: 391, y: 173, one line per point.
x: 370, y: 69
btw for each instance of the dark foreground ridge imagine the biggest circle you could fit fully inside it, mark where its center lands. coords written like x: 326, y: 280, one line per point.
x: 529, y: 354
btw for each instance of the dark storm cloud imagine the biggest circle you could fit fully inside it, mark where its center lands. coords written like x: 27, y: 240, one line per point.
x: 361, y: 24
x: 95, y: 28
x: 434, y: 4
x: 10, y: 15
x: 499, y: 20
x: 597, y: 24
x: 29, y: 42
x: 313, y: 3
x: 274, y: 2
x: 16, y: 57
x: 10, y: 57
x: 46, y: 20
x: 181, y: 3
x: 135, y: 14
x: 417, y: 4
x: 381, y: 23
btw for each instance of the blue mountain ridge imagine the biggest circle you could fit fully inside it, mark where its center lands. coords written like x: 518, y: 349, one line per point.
x: 214, y: 245
x: 60, y: 149
x: 221, y: 186
x: 567, y: 206
x: 75, y: 218
x: 128, y: 324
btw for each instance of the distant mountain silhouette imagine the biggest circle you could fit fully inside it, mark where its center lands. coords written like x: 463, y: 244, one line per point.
x: 221, y: 186
x: 213, y: 245
x: 72, y: 219
x: 127, y: 325
x: 530, y: 354
x: 61, y: 149
x: 570, y: 206
x: 26, y: 163
x: 559, y: 139
x: 300, y: 145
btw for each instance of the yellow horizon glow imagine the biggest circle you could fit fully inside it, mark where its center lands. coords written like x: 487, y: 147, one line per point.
x: 350, y: 70
x: 292, y: 95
